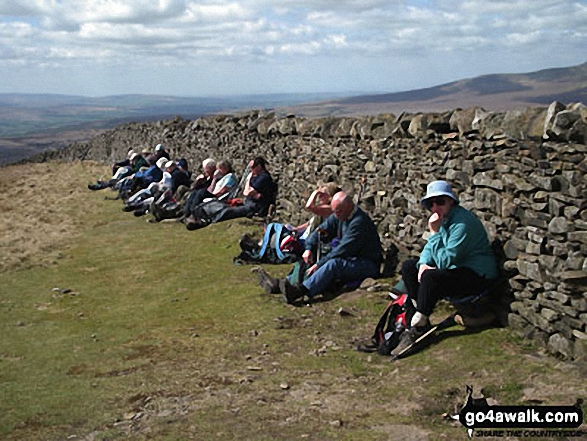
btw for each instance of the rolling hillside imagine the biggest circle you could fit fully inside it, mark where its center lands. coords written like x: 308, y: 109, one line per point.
x: 33, y: 123
x: 493, y: 92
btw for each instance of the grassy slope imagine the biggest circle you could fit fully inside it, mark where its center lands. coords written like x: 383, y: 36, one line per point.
x: 162, y: 337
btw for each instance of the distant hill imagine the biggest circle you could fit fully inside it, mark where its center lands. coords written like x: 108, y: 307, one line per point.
x: 30, y: 123
x: 27, y: 114
x: 493, y: 92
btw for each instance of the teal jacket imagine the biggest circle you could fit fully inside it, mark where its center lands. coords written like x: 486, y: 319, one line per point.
x: 461, y: 242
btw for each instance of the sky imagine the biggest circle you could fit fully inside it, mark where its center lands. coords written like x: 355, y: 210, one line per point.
x: 240, y: 47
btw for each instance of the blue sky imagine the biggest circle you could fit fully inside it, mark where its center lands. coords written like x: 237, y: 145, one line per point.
x: 227, y: 47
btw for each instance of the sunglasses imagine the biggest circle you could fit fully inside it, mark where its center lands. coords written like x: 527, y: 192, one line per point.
x: 438, y: 200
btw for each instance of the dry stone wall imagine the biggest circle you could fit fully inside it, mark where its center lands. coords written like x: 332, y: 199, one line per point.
x: 522, y: 172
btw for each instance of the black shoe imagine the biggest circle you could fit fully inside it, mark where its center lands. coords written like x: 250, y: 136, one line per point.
x: 129, y: 207
x: 268, y: 283
x: 140, y: 212
x: 408, y: 338
x: 290, y: 292
x: 367, y: 347
x: 195, y: 225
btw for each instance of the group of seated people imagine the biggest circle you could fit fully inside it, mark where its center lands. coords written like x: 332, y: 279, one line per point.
x: 457, y: 260
x: 152, y: 183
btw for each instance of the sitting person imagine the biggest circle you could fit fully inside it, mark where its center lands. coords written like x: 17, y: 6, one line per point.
x: 176, y: 205
x: 319, y: 204
x: 283, y: 243
x: 136, y: 162
x: 143, y: 198
x: 457, y: 261
x: 141, y: 179
x: 160, y: 152
x: 124, y: 163
x: 223, y: 181
x: 357, y: 256
x: 204, y: 179
x: 180, y: 175
x: 163, y: 197
x: 259, y: 192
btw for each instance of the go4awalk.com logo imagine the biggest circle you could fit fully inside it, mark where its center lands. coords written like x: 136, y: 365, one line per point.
x: 483, y: 420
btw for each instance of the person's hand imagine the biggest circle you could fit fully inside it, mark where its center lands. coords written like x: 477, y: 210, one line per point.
x: 308, y: 257
x: 312, y: 269
x: 434, y: 222
x: 422, y: 269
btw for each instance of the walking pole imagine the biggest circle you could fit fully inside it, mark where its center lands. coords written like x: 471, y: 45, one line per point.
x: 446, y: 323
x: 319, y: 246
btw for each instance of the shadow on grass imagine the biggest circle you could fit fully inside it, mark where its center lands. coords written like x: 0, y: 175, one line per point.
x: 448, y: 334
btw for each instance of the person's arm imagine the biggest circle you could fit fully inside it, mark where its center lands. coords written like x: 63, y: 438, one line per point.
x: 326, y: 229
x: 249, y: 190
x: 223, y: 186
x: 350, y: 244
x: 314, y: 205
x: 446, y: 249
x: 301, y: 228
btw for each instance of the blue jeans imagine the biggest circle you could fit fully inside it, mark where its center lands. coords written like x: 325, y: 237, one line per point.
x: 346, y: 270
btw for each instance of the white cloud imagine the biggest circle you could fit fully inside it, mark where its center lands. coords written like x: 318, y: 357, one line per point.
x: 309, y: 48
x: 42, y: 33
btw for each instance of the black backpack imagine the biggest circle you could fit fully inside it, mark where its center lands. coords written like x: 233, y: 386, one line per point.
x: 391, y: 325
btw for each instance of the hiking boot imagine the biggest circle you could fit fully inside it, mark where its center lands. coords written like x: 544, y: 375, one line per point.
x: 290, y: 292
x: 268, y: 283
x: 195, y: 224
x: 409, y: 337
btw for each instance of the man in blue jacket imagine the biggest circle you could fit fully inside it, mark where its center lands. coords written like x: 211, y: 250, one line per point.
x: 153, y: 174
x: 457, y: 261
x: 357, y: 254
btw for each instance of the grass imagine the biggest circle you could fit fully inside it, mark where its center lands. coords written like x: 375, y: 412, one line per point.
x: 156, y: 334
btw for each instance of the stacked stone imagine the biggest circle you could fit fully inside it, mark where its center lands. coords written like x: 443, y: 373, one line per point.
x: 522, y: 173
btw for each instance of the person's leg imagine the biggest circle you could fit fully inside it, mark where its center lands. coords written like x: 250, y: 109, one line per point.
x: 139, y: 195
x: 409, y: 274
x: 187, y: 207
x: 119, y: 173
x: 345, y: 270
x: 200, y: 195
x: 436, y: 284
x: 246, y: 210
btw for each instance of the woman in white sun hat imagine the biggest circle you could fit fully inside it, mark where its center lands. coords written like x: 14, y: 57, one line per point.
x: 457, y: 261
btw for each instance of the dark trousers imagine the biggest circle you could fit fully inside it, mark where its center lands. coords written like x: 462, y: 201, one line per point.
x: 437, y: 284
x: 195, y: 198
x: 246, y: 210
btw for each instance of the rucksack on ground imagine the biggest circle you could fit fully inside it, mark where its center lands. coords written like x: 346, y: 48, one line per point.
x: 279, y: 245
x: 391, y: 325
